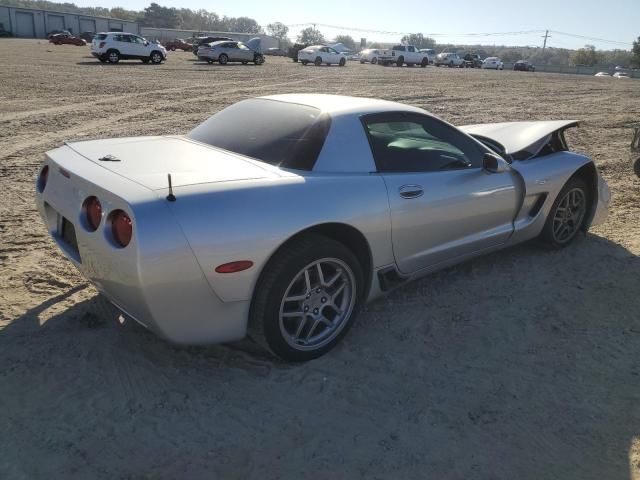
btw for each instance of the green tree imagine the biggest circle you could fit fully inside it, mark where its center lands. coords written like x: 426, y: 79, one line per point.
x: 636, y: 53
x: 161, y: 17
x: 347, y: 41
x: 278, y: 30
x: 310, y: 36
x: 243, y: 25
x: 419, y: 40
x: 585, y: 56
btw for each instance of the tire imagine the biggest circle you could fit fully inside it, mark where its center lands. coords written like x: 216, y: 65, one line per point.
x: 410, y: 64
x: 304, y: 62
x: 318, y: 61
x: 173, y: 49
x: 566, y: 213
x: 636, y: 167
x: 321, y: 322
x: 400, y: 61
x: 362, y: 62
x: 156, y: 57
x: 450, y: 64
x: 244, y: 62
x: 210, y: 62
x: 374, y: 60
x: 424, y: 63
x: 342, y: 62
x: 223, y: 59
x: 258, y: 59
x: 113, y: 56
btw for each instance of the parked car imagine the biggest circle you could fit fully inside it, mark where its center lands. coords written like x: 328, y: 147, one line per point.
x: 178, y: 44
x: 267, y: 217
x: 369, y: 55
x: 294, y: 49
x: 493, y: 63
x: 319, y: 54
x: 448, y: 59
x: 621, y: 75
x: 198, y: 41
x: 431, y: 54
x: 224, y: 52
x: 115, y: 46
x: 403, y: 54
x: 602, y: 74
x: 87, y: 36
x: 65, y: 39
x: 635, y: 152
x: 58, y: 32
x: 523, y: 66
x: 472, y: 60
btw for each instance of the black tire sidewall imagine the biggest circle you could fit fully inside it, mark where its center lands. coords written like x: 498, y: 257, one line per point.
x: 272, y: 287
x: 547, y: 232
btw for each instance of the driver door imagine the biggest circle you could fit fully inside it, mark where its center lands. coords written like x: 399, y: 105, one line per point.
x: 333, y: 55
x: 443, y: 204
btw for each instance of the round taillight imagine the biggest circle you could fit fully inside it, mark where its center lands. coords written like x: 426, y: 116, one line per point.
x: 42, y: 179
x: 121, y: 228
x: 93, y: 213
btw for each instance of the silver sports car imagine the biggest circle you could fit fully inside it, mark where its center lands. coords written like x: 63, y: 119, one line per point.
x: 280, y: 216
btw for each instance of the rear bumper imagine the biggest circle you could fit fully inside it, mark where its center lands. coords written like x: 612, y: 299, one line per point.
x: 156, y: 279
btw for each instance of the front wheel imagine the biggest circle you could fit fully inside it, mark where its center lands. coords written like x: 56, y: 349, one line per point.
x: 223, y: 59
x: 304, y: 62
x: 258, y: 59
x: 306, y: 299
x: 374, y: 60
x: 342, y: 62
x: 424, y: 63
x: 400, y: 61
x: 113, y: 56
x: 318, y: 61
x: 567, y: 215
x: 156, y: 58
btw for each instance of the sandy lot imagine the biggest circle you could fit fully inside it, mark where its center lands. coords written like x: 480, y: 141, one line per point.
x: 523, y: 364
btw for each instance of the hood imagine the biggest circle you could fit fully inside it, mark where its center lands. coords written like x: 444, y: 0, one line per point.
x: 148, y: 160
x: 255, y: 44
x: 517, y: 136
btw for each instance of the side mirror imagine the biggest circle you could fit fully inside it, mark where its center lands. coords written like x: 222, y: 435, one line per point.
x: 146, y: 43
x: 493, y: 163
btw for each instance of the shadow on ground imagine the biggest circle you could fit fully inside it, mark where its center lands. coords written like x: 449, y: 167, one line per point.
x: 522, y: 364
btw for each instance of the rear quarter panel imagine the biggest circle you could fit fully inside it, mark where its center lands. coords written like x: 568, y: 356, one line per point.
x: 250, y: 220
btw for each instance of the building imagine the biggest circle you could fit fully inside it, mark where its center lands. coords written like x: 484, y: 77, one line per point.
x: 37, y: 23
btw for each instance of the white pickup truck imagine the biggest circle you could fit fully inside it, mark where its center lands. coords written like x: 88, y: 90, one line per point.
x: 403, y: 54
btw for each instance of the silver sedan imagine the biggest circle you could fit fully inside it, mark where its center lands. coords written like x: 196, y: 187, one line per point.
x: 281, y: 216
x: 224, y: 52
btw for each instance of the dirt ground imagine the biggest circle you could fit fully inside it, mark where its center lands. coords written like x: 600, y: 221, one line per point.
x: 522, y: 364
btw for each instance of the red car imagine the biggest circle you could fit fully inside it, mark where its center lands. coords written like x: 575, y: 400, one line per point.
x: 64, y: 38
x: 178, y: 44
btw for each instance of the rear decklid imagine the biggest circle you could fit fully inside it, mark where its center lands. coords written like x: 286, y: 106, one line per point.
x: 517, y: 136
x: 148, y: 160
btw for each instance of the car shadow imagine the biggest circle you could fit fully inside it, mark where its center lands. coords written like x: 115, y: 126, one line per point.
x: 520, y: 364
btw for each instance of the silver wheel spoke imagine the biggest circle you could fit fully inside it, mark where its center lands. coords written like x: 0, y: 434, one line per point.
x: 292, y: 314
x: 338, y: 291
x: 320, y: 274
x: 301, y: 325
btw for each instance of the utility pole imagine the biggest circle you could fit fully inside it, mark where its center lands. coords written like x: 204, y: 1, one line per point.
x: 545, y: 36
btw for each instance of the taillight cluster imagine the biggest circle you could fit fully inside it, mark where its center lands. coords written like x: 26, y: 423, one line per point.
x: 118, y: 222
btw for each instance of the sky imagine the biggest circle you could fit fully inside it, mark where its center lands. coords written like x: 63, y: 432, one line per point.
x: 614, y: 20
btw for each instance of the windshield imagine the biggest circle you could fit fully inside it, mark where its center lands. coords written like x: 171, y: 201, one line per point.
x: 278, y: 133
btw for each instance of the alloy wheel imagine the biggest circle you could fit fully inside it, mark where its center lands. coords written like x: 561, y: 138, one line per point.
x: 567, y: 219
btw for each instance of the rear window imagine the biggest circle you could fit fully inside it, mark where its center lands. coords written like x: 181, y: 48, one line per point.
x: 279, y: 133
x: 100, y: 36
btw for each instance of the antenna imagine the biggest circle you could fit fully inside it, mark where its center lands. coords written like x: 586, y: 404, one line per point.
x: 171, y: 197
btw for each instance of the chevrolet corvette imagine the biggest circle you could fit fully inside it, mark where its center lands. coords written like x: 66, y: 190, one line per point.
x: 280, y: 216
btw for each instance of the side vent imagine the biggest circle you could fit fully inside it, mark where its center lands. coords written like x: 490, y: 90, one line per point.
x: 538, y: 205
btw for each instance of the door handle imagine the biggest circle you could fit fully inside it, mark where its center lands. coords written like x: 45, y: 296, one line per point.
x: 411, y: 191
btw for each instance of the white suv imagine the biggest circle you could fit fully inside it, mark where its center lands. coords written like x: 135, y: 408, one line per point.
x: 115, y: 46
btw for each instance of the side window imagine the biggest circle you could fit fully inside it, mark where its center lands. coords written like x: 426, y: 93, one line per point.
x: 331, y: 50
x: 125, y: 38
x: 242, y: 46
x: 402, y: 142
x: 411, y: 49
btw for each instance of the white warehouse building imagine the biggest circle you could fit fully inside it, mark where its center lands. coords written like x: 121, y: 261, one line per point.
x: 37, y: 23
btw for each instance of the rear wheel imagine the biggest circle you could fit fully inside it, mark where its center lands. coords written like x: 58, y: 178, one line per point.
x: 400, y: 61
x: 318, y: 61
x: 304, y: 62
x: 223, y: 59
x: 567, y: 215
x: 244, y: 62
x: 374, y: 60
x: 342, y: 62
x: 362, y: 62
x: 306, y: 299
x: 424, y: 63
x: 113, y: 56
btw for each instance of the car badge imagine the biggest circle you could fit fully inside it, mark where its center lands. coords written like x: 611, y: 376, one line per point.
x: 109, y: 158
